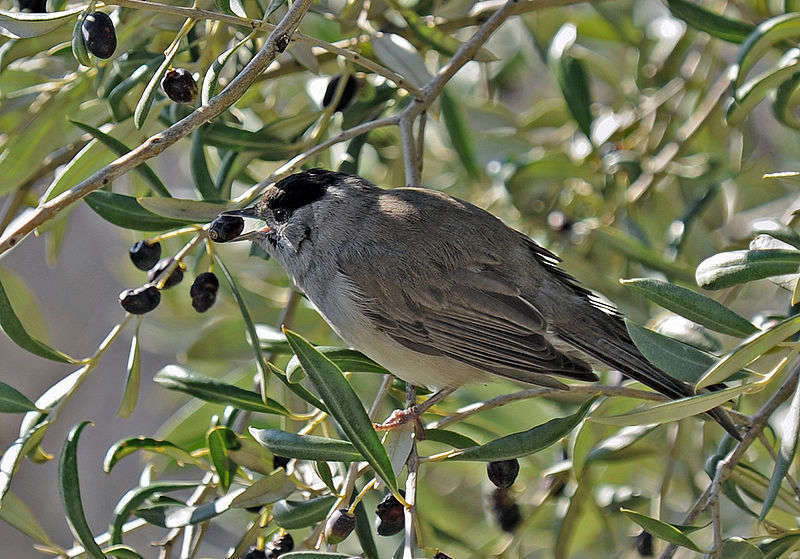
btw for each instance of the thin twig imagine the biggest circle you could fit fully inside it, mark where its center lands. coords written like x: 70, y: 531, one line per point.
x: 276, y: 43
x: 410, y: 156
x: 412, y: 468
x: 502, y: 400
x: 727, y: 464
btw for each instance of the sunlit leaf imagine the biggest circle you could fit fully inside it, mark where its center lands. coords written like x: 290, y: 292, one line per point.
x: 673, y: 410
x: 132, y: 379
x: 306, y: 447
x: 20, y: 25
x: 125, y: 447
x: 131, y: 500
x: 749, y: 350
x: 694, y: 306
x: 212, y: 390
x: 741, y: 266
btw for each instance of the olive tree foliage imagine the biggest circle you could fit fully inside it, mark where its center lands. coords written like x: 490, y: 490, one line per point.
x: 633, y: 138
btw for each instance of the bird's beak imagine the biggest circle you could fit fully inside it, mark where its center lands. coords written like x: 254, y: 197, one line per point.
x: 250, y: 212
x: 254, y: 235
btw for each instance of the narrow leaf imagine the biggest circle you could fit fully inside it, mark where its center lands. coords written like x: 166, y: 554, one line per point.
x: 131, y: 500
x: 636, y: 250
x: 718, y: 26
x: 11, y: 325
x: 252, y: 334
x: 13, y: 401
x: 571, y: 77
x: 16, y: 513
x: 21, y: 25
x: 525, y: 442
x: 618, y: 446
x: 199, y: 168
x: 212, y: 390
x: 761, y: 40
x: 788, y: 434
x: 293, y: 515
x: 459, y: 132
x: 343, y: 404
x: 401, y: 56
x: 741, y: 266
x: 218, y: 440
x: 125, y: 447
x: 132, y: 379
x: 125, y: 211
x: 674, y: 410
x: 306, y: 447
x: 209, y: 86
x: 150, y: 90
x: 661, y: 529
x: 749, y: 350
x: 78, y: 44
x: 689, y: 304
x: 70, y: 491
x: 346, y: 359
x: 674, y: 357
x: 193, y: 211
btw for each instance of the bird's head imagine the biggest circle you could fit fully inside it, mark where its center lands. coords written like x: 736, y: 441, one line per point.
x: 305, y: 212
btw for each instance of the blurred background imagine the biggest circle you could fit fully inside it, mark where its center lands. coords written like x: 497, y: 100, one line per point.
x: 599, y: 130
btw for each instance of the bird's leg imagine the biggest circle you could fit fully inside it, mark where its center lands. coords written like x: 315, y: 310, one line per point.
x: 399, y: 417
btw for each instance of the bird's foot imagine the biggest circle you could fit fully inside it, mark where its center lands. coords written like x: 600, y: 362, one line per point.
x: 397, y: 418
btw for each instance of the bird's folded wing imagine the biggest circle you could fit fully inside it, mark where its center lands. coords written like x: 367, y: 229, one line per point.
x: 474, y: 318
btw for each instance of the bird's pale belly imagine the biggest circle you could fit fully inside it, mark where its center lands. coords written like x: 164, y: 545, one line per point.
x: 417, y: 368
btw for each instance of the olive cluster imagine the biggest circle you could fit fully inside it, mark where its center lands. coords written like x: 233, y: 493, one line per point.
x: 163, y: 273
x: 96, y: 34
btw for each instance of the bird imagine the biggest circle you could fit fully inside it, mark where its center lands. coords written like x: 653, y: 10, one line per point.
x: 441, y: 292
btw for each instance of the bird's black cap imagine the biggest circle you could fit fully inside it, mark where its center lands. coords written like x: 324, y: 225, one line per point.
x: 300, y: 189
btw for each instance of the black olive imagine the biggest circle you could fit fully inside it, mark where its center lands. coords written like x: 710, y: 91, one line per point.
x: 225, y: 228
x: 280, y: 544
x: 179, y: 85
x: 144, y: 255
x: 99, y: 35
x: 279, y: 461
x: 440, y: 555
x: 503, y: 472
x: 140, y: 300
x: 505, y: 509
x: 350, y: 90
x: 174, y: 278
x: 32, y: 6
x: 339, y: 526
x: 204, y: 291
x: 644, y: 543
x: 391, y: 516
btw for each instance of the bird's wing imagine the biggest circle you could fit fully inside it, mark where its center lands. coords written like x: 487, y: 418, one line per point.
x: 472, y: 316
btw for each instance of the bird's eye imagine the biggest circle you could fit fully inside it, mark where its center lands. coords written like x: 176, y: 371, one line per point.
x: 280, y: 214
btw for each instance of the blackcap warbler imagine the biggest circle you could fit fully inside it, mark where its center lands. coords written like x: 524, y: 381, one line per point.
x: 439, y: 291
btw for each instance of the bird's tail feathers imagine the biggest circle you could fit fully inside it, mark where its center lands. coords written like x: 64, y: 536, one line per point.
x: 619, y: 351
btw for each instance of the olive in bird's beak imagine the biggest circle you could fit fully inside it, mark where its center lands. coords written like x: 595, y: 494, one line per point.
x: 228, y: 227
